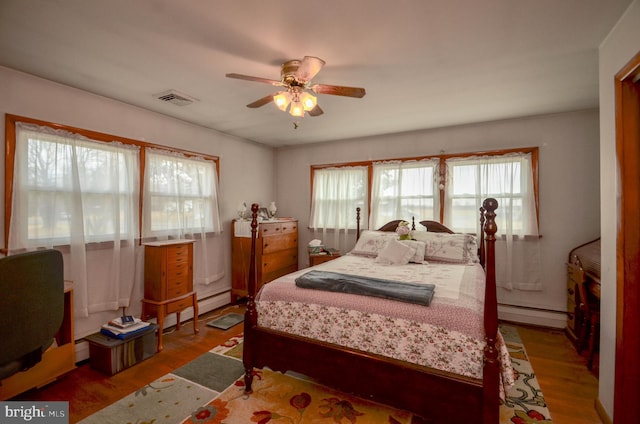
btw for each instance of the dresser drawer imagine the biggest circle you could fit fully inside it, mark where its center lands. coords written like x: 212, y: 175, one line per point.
x: 178, y: 288
x: 179, y: 305
x: 283, y: 242
x: 178, y: 271
x: 289, y: 227
x: 279, y: 260
x: 178, y: 254
x: 270, y: 229
x: 278, y: 273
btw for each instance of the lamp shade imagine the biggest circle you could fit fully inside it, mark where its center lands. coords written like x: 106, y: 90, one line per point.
x: 308, y: 100
x: 296, y: 109
x: 282, y: 100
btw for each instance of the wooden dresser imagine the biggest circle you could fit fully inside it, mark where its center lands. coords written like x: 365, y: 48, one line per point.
x: 168, y: 282
x: 276, y: 252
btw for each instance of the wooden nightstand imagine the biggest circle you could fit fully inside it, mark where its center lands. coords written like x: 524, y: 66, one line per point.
x: 318, y: 258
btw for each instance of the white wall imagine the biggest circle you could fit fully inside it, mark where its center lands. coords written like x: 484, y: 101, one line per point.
x: 246, y: 168
x: 622, y: 44
x: 569, y: 181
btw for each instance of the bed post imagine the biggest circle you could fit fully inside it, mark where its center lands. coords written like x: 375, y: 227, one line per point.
x: 357, y: 223
x: 250, y: 315
x: 481, y: 244
x: 491, y: 368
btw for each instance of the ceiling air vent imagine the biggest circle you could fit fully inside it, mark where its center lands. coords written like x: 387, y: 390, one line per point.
x: 175, y: 97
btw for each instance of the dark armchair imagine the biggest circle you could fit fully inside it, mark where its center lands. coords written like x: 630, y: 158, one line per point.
x: 31, y: 308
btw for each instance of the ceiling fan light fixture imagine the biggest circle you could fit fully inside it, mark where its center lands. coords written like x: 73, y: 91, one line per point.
x: 296, y: 109
x: 282, y: 100
x: 308, y: 100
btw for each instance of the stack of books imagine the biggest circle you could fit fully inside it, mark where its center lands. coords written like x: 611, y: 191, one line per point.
x: 118, y: 329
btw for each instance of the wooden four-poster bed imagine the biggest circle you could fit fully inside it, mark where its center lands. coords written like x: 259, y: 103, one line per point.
x: 415, y: 382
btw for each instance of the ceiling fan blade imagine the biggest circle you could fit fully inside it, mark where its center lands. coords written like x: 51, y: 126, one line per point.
x: 256, y: 79
x: 261, y: 102
x: 309, y: 68
x: 338, y: 90
x: 316, y: 111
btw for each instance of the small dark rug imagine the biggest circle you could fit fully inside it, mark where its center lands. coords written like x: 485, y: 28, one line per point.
x: 227, y: 321
x: 216, y: 372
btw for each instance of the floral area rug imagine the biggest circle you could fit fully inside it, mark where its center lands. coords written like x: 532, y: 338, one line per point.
x: 210, y: 389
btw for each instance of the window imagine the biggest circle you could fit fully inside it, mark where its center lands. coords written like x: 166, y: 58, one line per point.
x: 404, y: 189
x: 337, y: 192
x: 68, y: 186
x: 444, y: 188
x: 79, y: 191
x: 507, y: 178
x: 180, y: 194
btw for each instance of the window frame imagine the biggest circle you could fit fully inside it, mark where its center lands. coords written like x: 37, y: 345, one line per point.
x: 10, y: 149
x: 442, y: 171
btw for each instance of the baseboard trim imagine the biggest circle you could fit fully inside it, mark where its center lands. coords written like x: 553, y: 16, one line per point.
x: 205, y: 305
x: 601, y: 412
x: 531, y: 316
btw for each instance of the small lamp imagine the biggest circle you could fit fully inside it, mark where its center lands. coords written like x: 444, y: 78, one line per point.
x: 273, y: 209
x: 242, y: 209
x: 308, y: 101
x: 296, y: 109
x: 282, y: 100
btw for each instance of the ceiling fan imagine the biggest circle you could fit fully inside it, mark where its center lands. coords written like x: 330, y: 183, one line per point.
x: 296, y: 85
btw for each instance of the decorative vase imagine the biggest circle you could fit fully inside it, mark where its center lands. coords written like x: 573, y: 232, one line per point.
x: 272, y: 209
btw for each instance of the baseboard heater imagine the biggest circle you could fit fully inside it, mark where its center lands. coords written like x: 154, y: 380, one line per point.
x: 533, y: 316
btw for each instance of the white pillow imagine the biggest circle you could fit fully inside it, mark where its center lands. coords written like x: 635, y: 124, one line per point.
x: 371, y: 242
x: 455, y: 248
x: 395, y: 253
x: 419, y: 246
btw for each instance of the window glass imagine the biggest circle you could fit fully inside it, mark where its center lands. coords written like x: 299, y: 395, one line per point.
x: 180, y: 194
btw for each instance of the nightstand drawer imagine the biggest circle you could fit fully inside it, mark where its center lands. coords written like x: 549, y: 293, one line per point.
x: 318, y: 259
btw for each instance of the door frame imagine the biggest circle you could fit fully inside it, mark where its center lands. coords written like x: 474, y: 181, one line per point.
x: 626, y: 407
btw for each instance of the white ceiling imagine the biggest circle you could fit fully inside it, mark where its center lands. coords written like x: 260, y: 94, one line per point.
x: 424, y: 63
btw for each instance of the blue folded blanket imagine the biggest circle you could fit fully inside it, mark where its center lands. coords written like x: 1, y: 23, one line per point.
x: 387, y: 289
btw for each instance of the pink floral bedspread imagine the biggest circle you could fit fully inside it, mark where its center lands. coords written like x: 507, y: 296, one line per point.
x: 447, y: 335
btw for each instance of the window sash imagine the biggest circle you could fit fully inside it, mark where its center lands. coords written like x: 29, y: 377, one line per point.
x: 61, y: 177
x: 187, y: 204
x: 404, y: 190
x: 507, y: 178
x: 336, y: 194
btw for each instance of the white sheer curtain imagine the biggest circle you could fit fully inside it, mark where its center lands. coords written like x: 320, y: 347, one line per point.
x: 337, y: 192
x: 180, y: 201
x: 72, y: 191
x: 508, y: 179
x: 404, y: 190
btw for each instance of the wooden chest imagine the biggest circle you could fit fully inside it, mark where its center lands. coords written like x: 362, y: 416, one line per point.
x: 168, y: 281
x: 276, y: 253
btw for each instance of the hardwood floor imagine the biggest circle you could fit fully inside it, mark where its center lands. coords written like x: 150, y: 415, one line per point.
x: 568, y: 387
